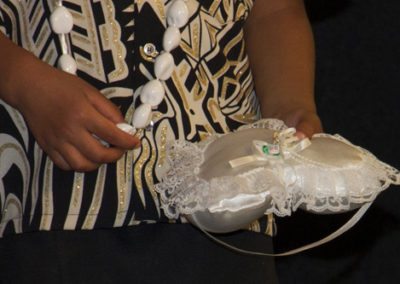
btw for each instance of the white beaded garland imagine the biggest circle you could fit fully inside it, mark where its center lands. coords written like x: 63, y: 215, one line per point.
x: 153, y: 92
x: 142, y: 116
x: 61, y: 20
x: 67, y: 63
x: 178, y: 14
x: 127, y: 128
x: 164, y: 66
x: 171, y: 39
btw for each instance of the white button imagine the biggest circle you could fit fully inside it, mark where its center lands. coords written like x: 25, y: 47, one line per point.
x: 150, y: 50
x: 67, y: 63
x: 61, y: 20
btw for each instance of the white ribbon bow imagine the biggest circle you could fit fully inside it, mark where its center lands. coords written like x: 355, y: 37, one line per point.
x: 285, y: 143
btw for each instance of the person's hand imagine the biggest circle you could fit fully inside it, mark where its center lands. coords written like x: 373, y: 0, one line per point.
x: 67, y: 116
x: 305, y: 120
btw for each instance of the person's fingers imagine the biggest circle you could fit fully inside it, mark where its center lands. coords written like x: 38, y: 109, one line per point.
x: 110, y: 133
x: 308, y: 125
x: 59, y: 161
x: 95, y: 151
x: 75, y: 159
x: 104, y: 106
x: 104, y: 122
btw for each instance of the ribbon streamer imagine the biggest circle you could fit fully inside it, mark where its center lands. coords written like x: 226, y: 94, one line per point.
x: 347, y: 226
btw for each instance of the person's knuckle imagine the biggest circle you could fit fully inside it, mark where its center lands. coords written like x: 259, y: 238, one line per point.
x: 111, y: 155
x: 82, y: 166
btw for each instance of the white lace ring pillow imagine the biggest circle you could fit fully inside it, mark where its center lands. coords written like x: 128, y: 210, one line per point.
x: 226, y: 182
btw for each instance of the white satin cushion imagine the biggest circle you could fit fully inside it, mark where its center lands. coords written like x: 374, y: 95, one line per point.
x: 226, y: 182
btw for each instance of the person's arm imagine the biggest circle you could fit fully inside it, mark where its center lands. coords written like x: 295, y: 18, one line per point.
x: 281, y: 49
x: 62, y: 111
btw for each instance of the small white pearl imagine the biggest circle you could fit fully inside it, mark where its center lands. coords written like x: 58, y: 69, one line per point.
x: 171, y: 38
x: 152, y: 93
x: 67, y: 63
x: 178, y: 14
x: 127, y: 128
x: 164, y: 66
x: 142, y: 116
x: 61, y: 20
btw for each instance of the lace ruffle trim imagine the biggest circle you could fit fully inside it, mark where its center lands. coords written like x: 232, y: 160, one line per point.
x: 297, y: 182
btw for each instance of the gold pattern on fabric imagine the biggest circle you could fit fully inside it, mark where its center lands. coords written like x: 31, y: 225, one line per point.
x: 118, y: 49
x: 160, y: 8
x: 75, y: 202
x: 77, y: 17
x: 183, y: 70
x: 47, y: 197
x: 213, y: 107
x: 196, y: 40
x: 8, y: 11
x: 22, y: 9
x: 191, y: 45
x: 196, y: 90
x: 11, y: 153
x: 255, y: 226
x: 181, y: 91
x: 12, y: 212
x: 214, y: 6
x: 130, y: 8
x: 19, y: 123
x: 94, y: 208
x: 157, y: 6
x: 202, y: 76
x: 212, y: 32
x: 204, y: 94
x: 122, y: 186
x: 238, y: 39
x: 43, y: 36
x: 38, y: 154
x: 163, y: 146
x: 85, y: 20
x: 36, y: 15
x: 143, y: 156
x: 80, y: 38
x: 105, y: 38
x: 241, y: 11
x: 124, y: 179
x: 222, y: 71
x: 148, y: 175
x: 227, y: 98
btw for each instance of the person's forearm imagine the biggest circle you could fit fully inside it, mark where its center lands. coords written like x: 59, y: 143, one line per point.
x: 15, y: 64
x: 281, y: 50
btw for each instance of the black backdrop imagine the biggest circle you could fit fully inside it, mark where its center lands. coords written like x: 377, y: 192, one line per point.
x: 358, y: 96
x: 358, y: 45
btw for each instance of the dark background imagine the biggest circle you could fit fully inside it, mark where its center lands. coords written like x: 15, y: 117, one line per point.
x: 358, y: 45
x: 357, y: 93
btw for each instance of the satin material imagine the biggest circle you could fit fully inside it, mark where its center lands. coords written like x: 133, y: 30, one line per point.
x: 225, y: 221
x: 262, y: 169
x: 227, y: 148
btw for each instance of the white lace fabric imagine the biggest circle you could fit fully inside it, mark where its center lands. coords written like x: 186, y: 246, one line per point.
x: 328, y: 175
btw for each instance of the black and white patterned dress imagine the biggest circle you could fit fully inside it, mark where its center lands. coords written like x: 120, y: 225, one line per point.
x: 210, y: 91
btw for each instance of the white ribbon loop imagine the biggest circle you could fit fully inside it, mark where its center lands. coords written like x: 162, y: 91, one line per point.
x: 285, y: 143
